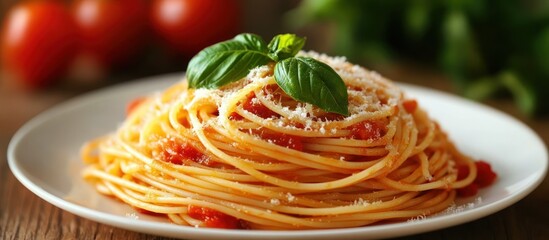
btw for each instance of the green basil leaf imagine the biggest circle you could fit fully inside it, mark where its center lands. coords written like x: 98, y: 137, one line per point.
x: 227, y: 61
x: 285, y: 46
x: 253, y: 41
x: 308, y: 80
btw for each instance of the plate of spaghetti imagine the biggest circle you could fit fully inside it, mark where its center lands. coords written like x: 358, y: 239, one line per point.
x: 246, y: 159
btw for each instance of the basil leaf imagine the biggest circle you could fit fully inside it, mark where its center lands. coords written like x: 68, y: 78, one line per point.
x: 304, y: 79
x: 254, y: 41
x: 285, y: 46
x: 227, y: 61
x: 308, y: 80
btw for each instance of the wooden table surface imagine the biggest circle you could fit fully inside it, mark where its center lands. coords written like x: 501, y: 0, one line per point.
x: 25, y: 216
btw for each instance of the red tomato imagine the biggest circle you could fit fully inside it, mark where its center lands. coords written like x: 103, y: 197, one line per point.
x: 284, y: 140
x: 177, y: 151
x: 213, y: 218
x: 188, y: 26
x: 462, y: 172
x: 410, y: 105
x: 253, y: 105
x: 485, y: 176
x: 468, y: 191
x: 111, y: 31
x: 39, y: 41
x: 368, y: 130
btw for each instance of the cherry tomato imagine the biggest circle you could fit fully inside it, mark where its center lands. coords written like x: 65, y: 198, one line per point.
x: 188, y: 26
x: 111, y: 31
x: 39, y: 41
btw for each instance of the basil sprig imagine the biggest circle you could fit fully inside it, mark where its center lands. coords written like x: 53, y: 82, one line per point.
x: 302, y: 78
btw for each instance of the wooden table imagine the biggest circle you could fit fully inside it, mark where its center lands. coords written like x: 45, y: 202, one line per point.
x: 25, y: 216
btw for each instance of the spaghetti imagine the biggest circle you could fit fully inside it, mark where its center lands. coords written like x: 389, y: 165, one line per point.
x: 247, y: 155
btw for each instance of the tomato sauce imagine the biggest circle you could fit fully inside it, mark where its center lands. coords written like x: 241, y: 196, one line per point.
x: 284, y: 140
x: 468, y: 191
x: 367, y: 130
x: 235, y: 117
x: 485, y: 177
x: 253, y: 105
x: 213, y: 218
x: 410, y: 105
x: 176, y: 151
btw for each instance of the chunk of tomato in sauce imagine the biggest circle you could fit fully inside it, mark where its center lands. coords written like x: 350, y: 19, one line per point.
x: 253, y: 105
x: 235, y: 117
x: 485, y: 177
x: 368, y: 130
x: 410, y: 105
x: 284, y: 140
x: 213, y: 218
x: 462, y: 172
x: 468, y: 191
x: 177, y: 151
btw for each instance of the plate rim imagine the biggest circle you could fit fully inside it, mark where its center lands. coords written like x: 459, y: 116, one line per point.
x: 172, y: 230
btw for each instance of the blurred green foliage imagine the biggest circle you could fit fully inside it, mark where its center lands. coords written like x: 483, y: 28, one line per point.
x: 489, y: 48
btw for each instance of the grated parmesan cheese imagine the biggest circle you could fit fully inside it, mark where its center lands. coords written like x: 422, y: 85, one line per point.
x: 290, y: 197
x: 368, y: 93
x: 275, y: 201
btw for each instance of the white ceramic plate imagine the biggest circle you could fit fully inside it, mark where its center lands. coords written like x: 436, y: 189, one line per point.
x: 43, y: 155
